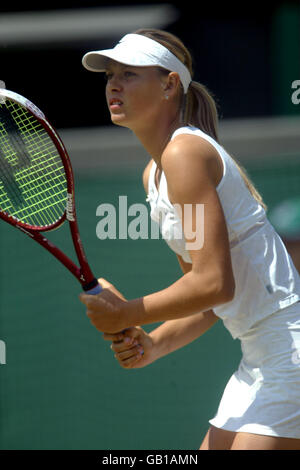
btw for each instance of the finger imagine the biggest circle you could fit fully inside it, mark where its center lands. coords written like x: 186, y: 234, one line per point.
x: 113, y: 336
x: 89, y: 300
x: 132, y: 332
x: 131, y: 361
x: 137, y: 351
x: 130, y: 338
x: 92, y: 315
x: 127, y: 333
x: 124, y: 345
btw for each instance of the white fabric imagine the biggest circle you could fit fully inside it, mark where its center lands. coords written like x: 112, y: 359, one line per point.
x: 138, y: 51
x: 265, y: 277
x: 262, y: 396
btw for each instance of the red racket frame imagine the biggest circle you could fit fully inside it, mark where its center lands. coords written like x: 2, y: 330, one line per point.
x: 82, y: 273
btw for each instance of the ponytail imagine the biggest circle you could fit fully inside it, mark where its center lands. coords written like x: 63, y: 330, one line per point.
x: 199, y: 110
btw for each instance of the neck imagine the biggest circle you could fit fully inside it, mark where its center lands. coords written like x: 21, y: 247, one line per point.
x: 155, y: 138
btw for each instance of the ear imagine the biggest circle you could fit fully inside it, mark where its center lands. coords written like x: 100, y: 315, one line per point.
x: 172, y: 83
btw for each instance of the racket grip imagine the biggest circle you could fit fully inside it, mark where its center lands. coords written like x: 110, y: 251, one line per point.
x: 93, y: 288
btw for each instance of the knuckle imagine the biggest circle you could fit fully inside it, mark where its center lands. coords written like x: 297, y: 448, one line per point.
x: 116, y: 347
x: 125, y: 366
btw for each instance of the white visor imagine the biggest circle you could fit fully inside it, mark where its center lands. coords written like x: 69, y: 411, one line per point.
x: 138, y: 51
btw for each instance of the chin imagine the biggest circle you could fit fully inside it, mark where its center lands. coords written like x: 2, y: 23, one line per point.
x: 119, y: 121
x: 116, y: 118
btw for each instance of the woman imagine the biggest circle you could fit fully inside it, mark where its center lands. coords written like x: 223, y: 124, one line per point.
x: 242, y: 273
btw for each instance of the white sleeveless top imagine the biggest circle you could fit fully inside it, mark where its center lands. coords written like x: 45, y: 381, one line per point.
x: 265, y: 277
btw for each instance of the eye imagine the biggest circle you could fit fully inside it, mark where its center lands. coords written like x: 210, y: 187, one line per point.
x: 129, y: 73
x: 108, y: 76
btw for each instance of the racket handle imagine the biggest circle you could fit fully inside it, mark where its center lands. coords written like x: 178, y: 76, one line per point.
x: 93, y: 288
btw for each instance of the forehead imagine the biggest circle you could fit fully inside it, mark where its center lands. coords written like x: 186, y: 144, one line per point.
x: 118, y: 66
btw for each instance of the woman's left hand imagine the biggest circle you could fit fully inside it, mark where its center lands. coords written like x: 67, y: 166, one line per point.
x: 105, y: 309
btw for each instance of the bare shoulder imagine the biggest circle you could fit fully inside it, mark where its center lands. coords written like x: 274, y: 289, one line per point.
x: 146, y: 173
x: 192, y: 152
x: 191, y: 161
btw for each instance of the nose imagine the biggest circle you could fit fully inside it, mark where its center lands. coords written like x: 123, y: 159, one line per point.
x: 114, y: 84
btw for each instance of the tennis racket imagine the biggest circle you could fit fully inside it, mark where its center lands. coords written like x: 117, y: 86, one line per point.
x: 36, y: 181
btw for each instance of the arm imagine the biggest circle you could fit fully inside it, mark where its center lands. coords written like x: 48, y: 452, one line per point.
x: 135, y: 348
x: 191, y: 168
x: 175, y: 334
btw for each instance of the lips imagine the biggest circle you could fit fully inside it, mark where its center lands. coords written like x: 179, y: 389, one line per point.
x: 115, y: 102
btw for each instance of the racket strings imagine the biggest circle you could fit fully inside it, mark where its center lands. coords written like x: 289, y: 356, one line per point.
x: 32, y: 177
x: 39, y: 147
x: 41, y: 190
x: 29, y: 194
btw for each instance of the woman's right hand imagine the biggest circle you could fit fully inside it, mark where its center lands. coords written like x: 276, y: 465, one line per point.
x: 133, y: 347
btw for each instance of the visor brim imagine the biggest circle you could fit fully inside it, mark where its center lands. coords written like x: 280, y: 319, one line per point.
x: 96, y: 61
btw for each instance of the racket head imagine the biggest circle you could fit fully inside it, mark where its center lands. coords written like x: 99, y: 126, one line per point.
x: 36, y: 178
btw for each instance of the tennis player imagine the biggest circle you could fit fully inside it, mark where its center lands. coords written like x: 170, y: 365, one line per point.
x: 242, y: 274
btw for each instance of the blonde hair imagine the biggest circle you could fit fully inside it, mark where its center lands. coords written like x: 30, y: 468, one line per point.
x: 198, y: 105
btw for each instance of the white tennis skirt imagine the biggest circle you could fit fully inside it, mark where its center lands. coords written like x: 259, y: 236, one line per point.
x: 263, y: 395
